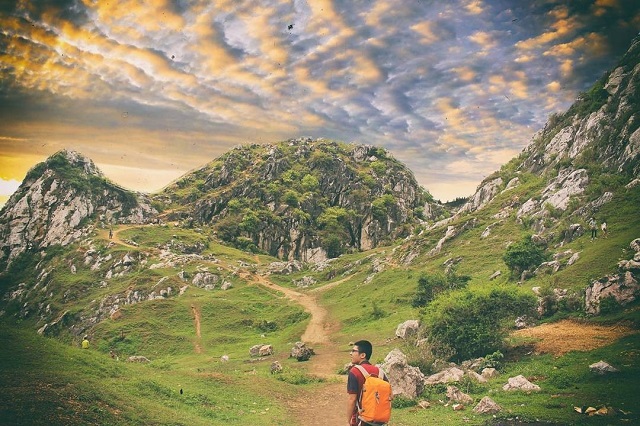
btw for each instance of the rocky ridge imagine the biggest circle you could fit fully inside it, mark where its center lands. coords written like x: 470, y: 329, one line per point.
x: 56, y: 203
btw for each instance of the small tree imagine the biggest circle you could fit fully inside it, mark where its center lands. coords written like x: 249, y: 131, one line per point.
x: 522, y: 256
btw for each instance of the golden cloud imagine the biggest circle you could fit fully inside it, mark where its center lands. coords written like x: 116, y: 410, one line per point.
x: 425, y: 29
x: 474, y: 7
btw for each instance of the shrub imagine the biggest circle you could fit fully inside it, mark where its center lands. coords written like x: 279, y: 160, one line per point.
x: 522, y: 256
x: 474, y: 324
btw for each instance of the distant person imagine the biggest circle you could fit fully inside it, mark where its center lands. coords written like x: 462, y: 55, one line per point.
x: 360, y: 355
x: 603, y: 227
x: 85, y: 342
x: 594, y: 228
x: 110, y: 233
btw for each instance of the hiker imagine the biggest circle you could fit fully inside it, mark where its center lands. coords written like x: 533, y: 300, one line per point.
x: 85, y: 342
x: 360, y: 355
x: 110, y: 233
x: 593, y: 227
x: 603, y: 227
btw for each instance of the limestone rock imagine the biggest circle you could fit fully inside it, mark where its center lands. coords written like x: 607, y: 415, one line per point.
x: 623, y: 288
x: 456, y: 395
x: 406, y: 381
x: 138, y: 358
x: 301, y: 352
x: 260, y: 350
x: 520, y: 383
x: 453, y: 374
x: 602, y: 368
x: 487, y: 406
x: 490, y: 373
x: 275, y: 367
x: 407, y: 328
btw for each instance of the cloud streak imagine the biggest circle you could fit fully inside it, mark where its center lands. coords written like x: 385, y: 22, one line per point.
x: 453, y: 89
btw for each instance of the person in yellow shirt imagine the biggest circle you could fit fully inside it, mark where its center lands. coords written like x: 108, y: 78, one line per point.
x: 85, y: 343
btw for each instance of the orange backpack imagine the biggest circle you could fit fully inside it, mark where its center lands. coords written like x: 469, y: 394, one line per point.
x: 374, y: 406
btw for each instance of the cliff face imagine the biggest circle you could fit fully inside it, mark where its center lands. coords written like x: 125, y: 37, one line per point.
x: 301, y: 199
x: 55, y: 202
x: 599, y: 134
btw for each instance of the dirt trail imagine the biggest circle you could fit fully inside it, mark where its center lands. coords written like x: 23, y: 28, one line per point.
x: 196, y: 320
x: 321, y: 406
x: 104, y: 233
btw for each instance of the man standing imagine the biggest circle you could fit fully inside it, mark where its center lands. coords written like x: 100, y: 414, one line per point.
x: 85, y: 342
x: 360, y: 355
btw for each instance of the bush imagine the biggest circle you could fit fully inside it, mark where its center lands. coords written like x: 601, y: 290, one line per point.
x: 474, y: 324
x: 522, y: 256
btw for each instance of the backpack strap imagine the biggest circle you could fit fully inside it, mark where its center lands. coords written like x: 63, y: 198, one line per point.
x: 366, y: 374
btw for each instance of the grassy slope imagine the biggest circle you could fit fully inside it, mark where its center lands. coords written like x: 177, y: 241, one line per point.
x: 48, y: 381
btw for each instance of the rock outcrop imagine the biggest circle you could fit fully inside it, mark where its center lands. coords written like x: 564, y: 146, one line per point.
x: 56, y: 199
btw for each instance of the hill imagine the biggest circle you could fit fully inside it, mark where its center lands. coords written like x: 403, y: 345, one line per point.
x: 168, y: 286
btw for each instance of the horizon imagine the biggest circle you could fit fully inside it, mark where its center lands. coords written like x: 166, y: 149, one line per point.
x: 150, y: 92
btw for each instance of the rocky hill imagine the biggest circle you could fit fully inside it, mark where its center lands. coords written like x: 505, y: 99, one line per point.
x: 57, y: 203
x: 582, y: 154
x: 302, y: 199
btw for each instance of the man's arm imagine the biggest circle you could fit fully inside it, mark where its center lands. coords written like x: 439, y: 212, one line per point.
x: 351, y: 405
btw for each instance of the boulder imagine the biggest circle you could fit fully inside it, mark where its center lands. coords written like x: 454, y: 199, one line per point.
x: 490, y: 373
x: 275, y: 367
x: 456, y: 395
x: 487, y: 406
x: 138, y: 358
x: 407, y: 328
x: 260, y: 350
x: 602, y: 368
x: 301, y: 352
x: 265, y: 350
x: 520, y: 383
x: 477, y: 377
x: 623, y: 288
x: 406, y: 381
x: 453, y: 374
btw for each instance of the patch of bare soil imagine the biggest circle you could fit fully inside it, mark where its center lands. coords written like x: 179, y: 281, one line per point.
x: 565, y: 336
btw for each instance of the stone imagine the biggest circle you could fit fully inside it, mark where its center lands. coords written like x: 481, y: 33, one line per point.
x: 138, y: 358
x: 407, y: 328
x: 602, y: 368
x: 453, y: 374
x: 301, y: 352
x: 406, y: 380
x: 477, y: 377
x: 456, y: 395
x: 623, y: 288
x: 520, y: 383
x: 490, y: 373
x: 487, y: 406
x: 275, y: 367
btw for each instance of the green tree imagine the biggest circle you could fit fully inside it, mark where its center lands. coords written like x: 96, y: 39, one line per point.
x: 523, y: 255
x: 310, y: 183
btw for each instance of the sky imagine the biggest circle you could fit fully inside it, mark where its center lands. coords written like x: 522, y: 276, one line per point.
x: 152, y: 89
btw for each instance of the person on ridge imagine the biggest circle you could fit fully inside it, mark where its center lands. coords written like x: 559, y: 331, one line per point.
x: 360, y: 355
x: 85, y: 342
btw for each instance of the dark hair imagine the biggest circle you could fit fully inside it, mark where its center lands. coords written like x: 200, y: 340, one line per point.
x: 365, y: 347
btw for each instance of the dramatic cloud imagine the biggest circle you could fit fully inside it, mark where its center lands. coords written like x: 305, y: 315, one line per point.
x: 151, y: 90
